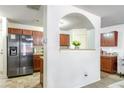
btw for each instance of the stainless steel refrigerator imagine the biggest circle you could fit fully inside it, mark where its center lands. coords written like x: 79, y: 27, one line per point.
x: 20, y: 55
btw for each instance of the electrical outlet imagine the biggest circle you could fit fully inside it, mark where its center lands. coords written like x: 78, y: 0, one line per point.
x: 85, y: 74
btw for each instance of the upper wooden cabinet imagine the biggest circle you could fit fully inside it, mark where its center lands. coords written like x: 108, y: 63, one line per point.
x: 64, y: 40
x: 109, y: 39
x: 19, y: 31
x: 26, y: 32
x: 37, y: 38
x: 15, y: 31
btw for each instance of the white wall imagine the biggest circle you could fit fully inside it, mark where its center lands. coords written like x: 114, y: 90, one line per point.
x: 91, y: 39
x: 120, y: 48
x: 79, y: 35
x: 85, y: 36
x: 66, y: 68
x: 65, y: 32
x: 3, y: 63
x: 1, y: 48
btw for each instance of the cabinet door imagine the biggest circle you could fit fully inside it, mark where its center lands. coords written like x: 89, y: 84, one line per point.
x: 14, y: 31
x: 114, y: 64
x: 116, y: 38
x: 37, y: 38
x: 35, y: 42
x: 103, y: 64
x: 109, y: 39
x: 37, y: 62
x: 27, y: 32
x: 109, y: 64
x: 102, y: 40
x: 64, y: 40
x: 40, y: 37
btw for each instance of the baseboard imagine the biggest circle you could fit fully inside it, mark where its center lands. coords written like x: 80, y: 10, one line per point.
x: 82, y: 85
x: 3, y: 76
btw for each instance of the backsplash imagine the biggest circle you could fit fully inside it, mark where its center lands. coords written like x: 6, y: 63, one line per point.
x: 38, y: 50
x: 110, y: 50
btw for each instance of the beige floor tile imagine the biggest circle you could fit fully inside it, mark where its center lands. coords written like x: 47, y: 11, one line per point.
x: 30, y: 81
x: 106, y: 80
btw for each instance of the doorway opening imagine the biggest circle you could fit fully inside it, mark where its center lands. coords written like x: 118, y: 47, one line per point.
x: 24, y: 66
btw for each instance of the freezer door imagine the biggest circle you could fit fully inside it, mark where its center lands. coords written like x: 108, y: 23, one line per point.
x: 13, y: 55
x: 26, y: 54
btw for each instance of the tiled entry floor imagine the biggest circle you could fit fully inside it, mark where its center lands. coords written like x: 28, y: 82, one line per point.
x: 30, y: 81
x: 106, y: 80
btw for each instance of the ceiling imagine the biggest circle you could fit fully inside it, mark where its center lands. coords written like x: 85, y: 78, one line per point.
x: 29, y: 15
x: 110, y: 14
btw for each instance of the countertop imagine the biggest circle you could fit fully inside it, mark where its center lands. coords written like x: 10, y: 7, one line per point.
x: 108, y: 55
x: 42, y: 57
x: 38, y: 54
x: 76, y: 49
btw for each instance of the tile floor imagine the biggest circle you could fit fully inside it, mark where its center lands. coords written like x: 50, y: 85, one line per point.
x: 30, y: 81
x: 33, y: 81
x: 106, y: 80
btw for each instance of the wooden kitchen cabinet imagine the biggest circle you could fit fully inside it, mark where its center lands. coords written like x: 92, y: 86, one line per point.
x: 37, y: 38
x: 19, y: 31
x: 37, y: 41
x: 64, y: 40
x: 109, y: 39
x: 15, y: 31
x: 27, y: 32
x: 37, y: 63
x: 109, y: 64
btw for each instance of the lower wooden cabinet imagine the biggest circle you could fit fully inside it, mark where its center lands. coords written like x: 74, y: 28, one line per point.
x: 37, y: 63
x: 109, y: 64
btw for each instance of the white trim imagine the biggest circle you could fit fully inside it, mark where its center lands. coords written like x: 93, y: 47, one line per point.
x: 45, y: 48
x: 82, y: 85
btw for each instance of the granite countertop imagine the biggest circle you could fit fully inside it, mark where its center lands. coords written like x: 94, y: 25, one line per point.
x: 42, y: 57
x: 109, y: 55
x: 76, y: 49
x: 38, y: 54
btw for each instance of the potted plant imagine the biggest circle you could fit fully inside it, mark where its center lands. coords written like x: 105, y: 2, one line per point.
x: 76, y: 44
